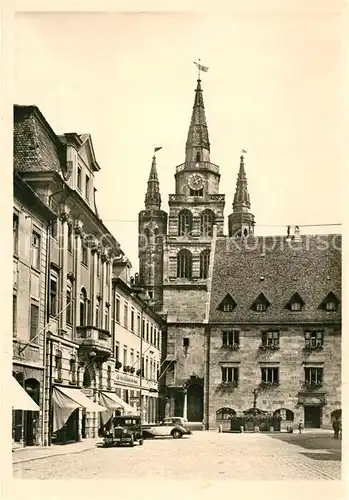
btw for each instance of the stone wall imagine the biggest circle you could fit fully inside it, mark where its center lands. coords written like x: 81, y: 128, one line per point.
x: 291, y: 359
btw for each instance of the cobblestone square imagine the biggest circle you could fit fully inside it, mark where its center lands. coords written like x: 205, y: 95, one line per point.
x: 204, y: 456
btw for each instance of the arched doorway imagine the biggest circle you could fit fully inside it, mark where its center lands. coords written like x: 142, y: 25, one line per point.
x: 32, y: 386
x: 195, y: 402
x: 223, y: 416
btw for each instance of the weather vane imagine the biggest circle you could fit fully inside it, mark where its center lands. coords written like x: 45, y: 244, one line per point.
x: 200, y: 67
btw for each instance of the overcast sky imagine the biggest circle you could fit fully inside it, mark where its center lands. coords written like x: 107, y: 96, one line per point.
x: 274, y: 88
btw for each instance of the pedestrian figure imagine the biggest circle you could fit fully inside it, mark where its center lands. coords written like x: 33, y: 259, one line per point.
x: 336, y: 427
x: 300, y: 427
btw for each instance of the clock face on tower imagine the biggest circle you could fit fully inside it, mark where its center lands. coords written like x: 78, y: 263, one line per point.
x: 195, y: 182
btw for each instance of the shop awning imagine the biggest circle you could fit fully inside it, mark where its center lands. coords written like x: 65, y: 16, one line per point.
x: 112, y: 401
x: 21, y: 399
x: 66, y: 400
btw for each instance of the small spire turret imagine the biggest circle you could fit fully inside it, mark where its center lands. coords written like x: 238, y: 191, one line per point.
x: 153, y: 196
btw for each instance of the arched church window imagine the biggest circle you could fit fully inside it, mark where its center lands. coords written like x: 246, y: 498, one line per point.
x: 198, y: 157
x: 184, y: 264
x: 185, y: 222
x: 207, y: 222
x: 204, y: 263
x: 83, y: 307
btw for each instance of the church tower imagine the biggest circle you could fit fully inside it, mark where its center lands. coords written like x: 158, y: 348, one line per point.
x: 241, y: 221
x: 194, y: 209
x: 152, y: 227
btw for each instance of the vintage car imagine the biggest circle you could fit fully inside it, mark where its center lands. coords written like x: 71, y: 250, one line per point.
x: 172, y: 426
x: 124, y: 430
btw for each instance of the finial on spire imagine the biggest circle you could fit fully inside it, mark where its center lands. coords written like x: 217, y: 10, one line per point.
x: 200, y: 67
x: 153, y: 197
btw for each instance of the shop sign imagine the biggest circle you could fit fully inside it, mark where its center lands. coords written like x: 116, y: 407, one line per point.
x: 88, y: 392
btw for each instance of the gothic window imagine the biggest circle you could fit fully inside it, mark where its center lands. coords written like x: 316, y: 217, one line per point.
x: 330, y: 302
x: 184, y: 264
x: 295, y: 303
x: 185, y: 222
x: 207, y: 222
x: 228, y: 304
x: 261, y: 303
x: 198, y: 157
x: 204, y: 263
x: 83, y: 307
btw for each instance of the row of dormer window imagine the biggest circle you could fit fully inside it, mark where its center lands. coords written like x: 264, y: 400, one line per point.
x: 295, y: 304
x: 271, y: 339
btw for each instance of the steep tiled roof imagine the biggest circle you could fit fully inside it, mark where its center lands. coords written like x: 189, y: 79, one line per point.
x: 36, y: 147
x: 310, y: 267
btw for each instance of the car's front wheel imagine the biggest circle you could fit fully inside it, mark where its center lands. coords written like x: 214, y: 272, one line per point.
x: 132, y: 442
x: 176, y: 434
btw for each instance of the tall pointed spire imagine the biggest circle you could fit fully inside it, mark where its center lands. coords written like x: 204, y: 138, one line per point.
x: 241, y: 198
x: 153, y: 196
x: 241, y: 221
x: 198, y: 145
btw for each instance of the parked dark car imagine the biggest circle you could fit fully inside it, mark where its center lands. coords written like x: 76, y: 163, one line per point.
x: 124, y: 430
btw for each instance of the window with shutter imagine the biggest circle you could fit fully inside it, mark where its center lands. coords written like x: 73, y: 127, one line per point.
x: 35, y: 250
x: 14, y: 315
x: 15, y: 233
x: 34, y: 322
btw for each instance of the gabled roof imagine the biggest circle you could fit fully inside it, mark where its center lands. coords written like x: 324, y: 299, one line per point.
x: 81, y: 141
x: 330, y: 297
x: 261, y: 299
x: 295, y: 298
x: 228, y: 299
x: 36, y: 147
x: 277, y: 268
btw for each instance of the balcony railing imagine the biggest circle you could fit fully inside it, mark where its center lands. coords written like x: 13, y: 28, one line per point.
x: 96, y: 338
x: 201, y: 165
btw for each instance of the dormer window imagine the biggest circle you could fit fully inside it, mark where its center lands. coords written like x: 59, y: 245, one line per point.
x: 330, y: 306
x: 295, y: 303
x: 330, y: 303
x: 228, y: 304
x: 261, y: 303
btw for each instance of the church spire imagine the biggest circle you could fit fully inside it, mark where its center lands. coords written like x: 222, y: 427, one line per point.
x: 241, y: 198
x: 153, y: 196
x: 198, y: 145
x: 241, y: 221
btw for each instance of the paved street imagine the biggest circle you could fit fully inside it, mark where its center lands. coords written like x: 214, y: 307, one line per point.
x: 204, y: 456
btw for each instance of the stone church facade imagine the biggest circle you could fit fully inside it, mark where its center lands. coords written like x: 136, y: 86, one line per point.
x: 179, y: 265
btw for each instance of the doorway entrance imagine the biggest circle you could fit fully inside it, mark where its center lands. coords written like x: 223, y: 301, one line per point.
x: 312, y: 416
x: 195, y: 401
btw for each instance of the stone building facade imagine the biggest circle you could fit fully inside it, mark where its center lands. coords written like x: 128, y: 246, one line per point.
x: 74, y: 287
x: 274, y: 332
x: 184, y: 261
x: 137, y: 340
x: 31, y: 219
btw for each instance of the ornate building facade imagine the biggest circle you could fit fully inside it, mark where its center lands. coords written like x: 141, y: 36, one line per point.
x: 67, y: 331
x: 177, y: 264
